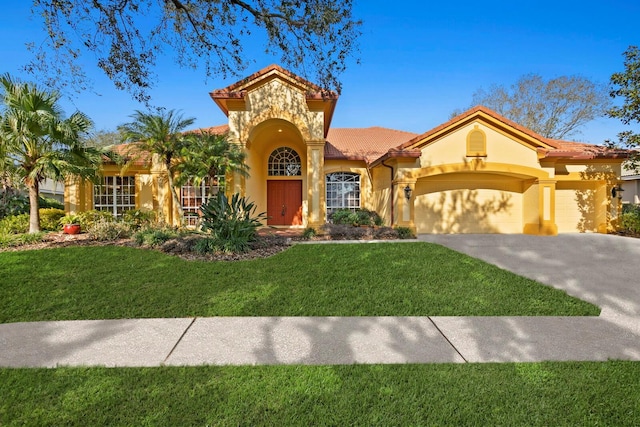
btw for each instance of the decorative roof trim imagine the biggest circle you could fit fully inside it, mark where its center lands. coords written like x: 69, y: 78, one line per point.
x: 313, y: 92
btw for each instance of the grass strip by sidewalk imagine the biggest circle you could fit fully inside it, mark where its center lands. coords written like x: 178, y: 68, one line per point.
x: 536, y: 394
x: 390, y: 279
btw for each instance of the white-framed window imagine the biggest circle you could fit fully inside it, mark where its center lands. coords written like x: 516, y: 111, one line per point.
x: 193, y: 196
x: 115, y: 194
x: 343, y: 191
x: 285, y: 161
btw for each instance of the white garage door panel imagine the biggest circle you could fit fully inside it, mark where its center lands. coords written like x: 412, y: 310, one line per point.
x: 469, y: 211
x: 572, y: 213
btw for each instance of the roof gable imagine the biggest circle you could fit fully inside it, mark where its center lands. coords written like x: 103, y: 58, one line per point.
x: 269, y: 73
x: 317, y: 98
x: 489, y: 117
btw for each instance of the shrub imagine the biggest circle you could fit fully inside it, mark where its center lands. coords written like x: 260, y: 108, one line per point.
x: 108, y: 230
x: 356, y: 217
x: 405, y: 233
x: 15, y: 224
x: 138, y: 218
x: 154, y: 236
x: 309, y: 233
x: 232, y: 223
x: 206, y: 245
x: 88, y: 218
x: 343, y: 217
x: 631, y: 208
x: 50, y: 218
x: 13, y: 204
x: 630, y: 221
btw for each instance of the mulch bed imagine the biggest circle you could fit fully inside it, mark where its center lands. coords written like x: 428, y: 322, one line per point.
x: 268, y: 243
x: 265, y: 246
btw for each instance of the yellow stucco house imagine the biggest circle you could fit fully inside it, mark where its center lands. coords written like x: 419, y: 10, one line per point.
x: 477, y: 173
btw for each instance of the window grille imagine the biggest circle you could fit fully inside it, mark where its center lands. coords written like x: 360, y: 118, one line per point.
x: 343, y: 191
x: 284, y: 161
x: 115, y: 194
x: 193, y: 196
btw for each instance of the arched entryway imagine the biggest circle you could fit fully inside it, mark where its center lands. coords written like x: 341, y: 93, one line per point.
x: 276, y: 155
x: 284, y: 187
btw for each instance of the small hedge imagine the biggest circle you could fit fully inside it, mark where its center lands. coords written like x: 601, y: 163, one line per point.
x: 349, y: 232
x: 358, y: 217
x: 630, y: 218
x: 50, y: 219
x: 18, y: 224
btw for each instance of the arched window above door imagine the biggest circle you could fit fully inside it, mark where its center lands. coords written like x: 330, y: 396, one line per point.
x: 285, y: 161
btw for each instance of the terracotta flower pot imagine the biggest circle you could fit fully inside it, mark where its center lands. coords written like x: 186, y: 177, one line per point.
x: 71, y: 229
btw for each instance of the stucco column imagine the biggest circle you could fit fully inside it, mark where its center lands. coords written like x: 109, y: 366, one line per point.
x: 405, y: 209
x: 315, y: 183
x: 547, y: 207
x: 615, y: 210
x: 76, y: 197
x: 161, y: 191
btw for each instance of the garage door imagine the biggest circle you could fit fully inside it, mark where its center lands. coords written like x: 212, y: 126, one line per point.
x: 468, y: 210
x: 578, y: 209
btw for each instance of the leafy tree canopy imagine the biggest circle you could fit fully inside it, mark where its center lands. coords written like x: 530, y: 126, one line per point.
x: 626, y: 85
x: 555, y: 108
x: 126, y: 37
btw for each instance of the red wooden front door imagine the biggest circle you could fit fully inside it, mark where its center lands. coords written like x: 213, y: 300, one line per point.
x: 284, y: 202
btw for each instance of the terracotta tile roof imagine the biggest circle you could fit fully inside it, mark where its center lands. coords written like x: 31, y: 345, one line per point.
x: 216, y: 130
x: 366, y: 144
x: 581, y: 150
x: 130, y: 152
x: 375, y: 144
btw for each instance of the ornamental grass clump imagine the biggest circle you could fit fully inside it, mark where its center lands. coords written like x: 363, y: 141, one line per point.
x: 155, y: 236
x: 108, y: 230
x: 232, y: 224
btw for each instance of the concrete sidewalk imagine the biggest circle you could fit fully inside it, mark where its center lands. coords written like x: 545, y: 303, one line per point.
x: 313, y: 341
x: 598, y: 268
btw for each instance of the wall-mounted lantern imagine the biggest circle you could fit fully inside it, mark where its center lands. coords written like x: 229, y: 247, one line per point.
x: 407, y: 192
x: 617, y: 192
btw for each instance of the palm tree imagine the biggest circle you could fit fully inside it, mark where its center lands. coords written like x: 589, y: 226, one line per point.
x: 209, y: 155
x: 159, y: 134
x: 39, y: 142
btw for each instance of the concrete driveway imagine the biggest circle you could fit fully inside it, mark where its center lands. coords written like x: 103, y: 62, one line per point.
x: 599, y: 268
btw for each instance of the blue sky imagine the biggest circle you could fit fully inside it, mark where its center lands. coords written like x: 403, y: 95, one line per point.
x: 420, y: 60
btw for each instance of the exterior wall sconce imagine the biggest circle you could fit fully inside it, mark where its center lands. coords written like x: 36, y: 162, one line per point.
x: 617, y: 192
x: 407, y: 192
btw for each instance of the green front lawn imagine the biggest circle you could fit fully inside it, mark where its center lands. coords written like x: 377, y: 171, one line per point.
x: 535, y: 394
x: 391, y: 279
